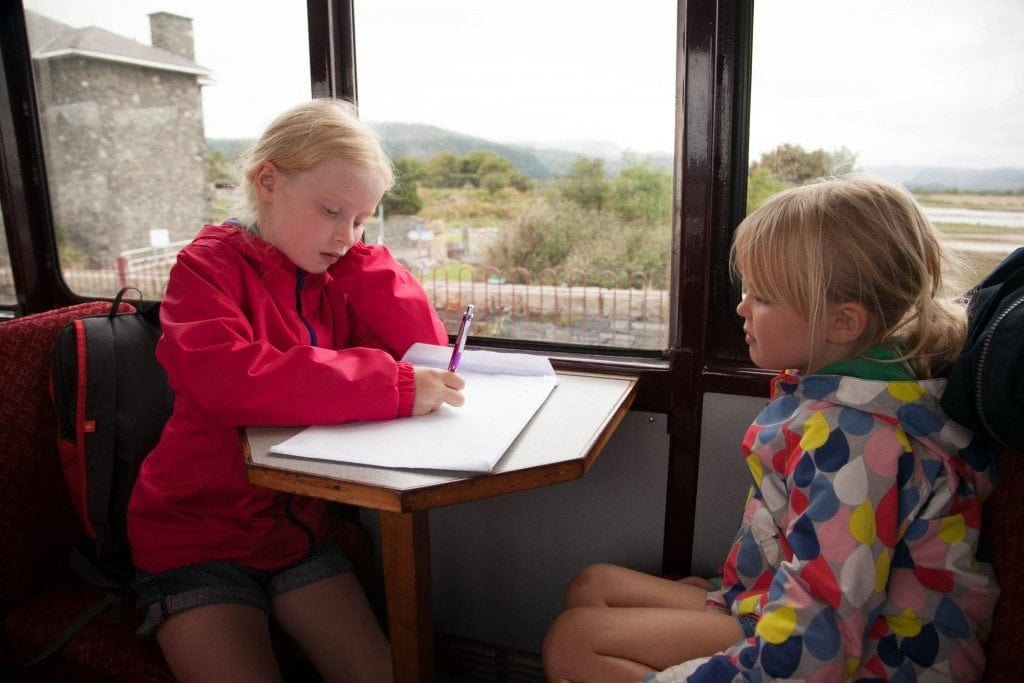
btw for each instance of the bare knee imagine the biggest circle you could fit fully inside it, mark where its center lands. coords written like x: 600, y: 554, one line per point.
x: 563, y: 647
x: 590, y: 586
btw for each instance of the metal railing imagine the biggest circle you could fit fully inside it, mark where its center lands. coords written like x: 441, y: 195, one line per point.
x: 564, y: 307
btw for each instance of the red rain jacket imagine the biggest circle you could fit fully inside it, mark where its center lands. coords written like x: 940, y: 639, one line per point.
x: 249, y: 339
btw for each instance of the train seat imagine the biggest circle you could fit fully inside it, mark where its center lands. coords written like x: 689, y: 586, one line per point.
x: 1004, y: 520
x: 39, y: 593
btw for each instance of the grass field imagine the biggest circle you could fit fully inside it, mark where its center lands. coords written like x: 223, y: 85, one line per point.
x: 981, y: 202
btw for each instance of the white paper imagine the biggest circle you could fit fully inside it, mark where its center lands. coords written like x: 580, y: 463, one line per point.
x: 478, y: 361
x: 470, y: 438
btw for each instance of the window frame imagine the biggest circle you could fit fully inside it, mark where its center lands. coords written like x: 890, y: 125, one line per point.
x: 707, y: 353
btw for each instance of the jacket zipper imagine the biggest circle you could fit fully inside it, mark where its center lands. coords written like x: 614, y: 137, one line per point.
x: 983, y: 356
x: 300, y: 280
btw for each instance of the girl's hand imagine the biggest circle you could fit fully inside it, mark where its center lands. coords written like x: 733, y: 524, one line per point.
x: 434, y: 388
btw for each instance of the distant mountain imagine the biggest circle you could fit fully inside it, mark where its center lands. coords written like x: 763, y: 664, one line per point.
x: 939, y: 179
x: 423, y: 141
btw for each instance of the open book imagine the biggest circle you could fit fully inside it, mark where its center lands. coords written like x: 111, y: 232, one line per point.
x: 503, y: 392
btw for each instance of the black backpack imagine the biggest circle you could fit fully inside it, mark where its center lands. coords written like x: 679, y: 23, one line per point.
x: 985, y: 391
x: 112, y: 400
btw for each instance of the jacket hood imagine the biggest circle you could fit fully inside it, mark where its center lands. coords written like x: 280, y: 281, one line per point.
x: 264, y: 257
x: 913, y: 405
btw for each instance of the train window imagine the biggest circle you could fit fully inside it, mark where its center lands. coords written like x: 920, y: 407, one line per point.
x: 534, y: 143
x: 925, y: 92
x: 142, y: 107
x: 7, y: 294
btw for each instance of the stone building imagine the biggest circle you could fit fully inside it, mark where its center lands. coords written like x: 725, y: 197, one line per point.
x: 122, y: 126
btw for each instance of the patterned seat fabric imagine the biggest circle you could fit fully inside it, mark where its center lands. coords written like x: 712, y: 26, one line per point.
x: 39, y: 594
x: 38, y: 526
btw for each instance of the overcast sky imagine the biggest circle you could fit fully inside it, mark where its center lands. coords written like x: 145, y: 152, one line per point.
x: 915, y: 82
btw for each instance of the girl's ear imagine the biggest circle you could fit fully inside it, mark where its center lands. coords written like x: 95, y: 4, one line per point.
x: 266, y: 179
x: 847, y: 322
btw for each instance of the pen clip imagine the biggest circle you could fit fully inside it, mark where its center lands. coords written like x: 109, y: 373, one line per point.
x: 460, y: 339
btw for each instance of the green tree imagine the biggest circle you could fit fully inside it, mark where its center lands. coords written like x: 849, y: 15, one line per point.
x: 641, y: 193
x: 444, y: 169
x: 762, y: 184
x: 409, y: 170
x: 492, y: 172
x: 585, y: 184
x: 791, y: 164
x: 544, y: 237
x: 478, y: 168
x: 220, y: 169
x: 403, y: 199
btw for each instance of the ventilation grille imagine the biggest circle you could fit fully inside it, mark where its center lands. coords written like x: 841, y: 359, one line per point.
x: 462, y: 659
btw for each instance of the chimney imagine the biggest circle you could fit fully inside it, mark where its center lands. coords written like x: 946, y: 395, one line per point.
x: 172, y: 33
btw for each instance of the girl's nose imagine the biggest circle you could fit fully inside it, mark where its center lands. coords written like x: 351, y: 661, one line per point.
x: 346, y: 234
x: 740, y: 305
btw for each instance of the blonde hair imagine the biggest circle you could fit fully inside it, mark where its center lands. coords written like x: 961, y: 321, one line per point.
x: 855, y: 239
x: 319, y: 130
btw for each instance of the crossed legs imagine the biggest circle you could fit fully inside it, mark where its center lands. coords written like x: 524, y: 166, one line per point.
x: 620, y: 624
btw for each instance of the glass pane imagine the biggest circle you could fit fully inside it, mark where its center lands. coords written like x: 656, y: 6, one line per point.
x: 142, y: 106
x: 924, y: 92
x: 8, y: 297
x: 534, y: 145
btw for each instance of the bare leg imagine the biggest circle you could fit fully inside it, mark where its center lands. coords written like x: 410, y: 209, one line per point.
x: 219, y: 643
x: 621, y: 624
x: 333, y: 623
x: 611, y: 644
x: 607, y: 585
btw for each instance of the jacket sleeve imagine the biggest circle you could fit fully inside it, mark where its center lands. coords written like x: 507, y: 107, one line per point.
x: 394, y: 322
x: 836, y: 545
x: 232, y: 375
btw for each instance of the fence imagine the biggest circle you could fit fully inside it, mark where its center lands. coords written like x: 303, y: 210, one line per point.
x: 544, y: 306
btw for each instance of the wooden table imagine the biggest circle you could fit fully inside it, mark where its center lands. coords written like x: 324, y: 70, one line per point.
x: 559, y: 444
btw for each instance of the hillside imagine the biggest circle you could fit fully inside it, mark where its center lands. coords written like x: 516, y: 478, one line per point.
x: 423, y: 141
x: 940, y: 179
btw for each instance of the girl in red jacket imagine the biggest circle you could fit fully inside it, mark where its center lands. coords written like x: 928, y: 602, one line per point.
x: 281, y: 317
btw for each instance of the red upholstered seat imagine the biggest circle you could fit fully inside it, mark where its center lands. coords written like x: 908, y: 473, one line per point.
x: 1004, y: 522
x: 39, y: 594
x: 38, y: 526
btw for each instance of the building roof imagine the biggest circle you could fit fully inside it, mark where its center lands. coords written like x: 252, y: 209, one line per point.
x: 49, y: 38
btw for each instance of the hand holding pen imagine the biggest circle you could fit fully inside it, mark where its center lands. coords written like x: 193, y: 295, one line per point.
x: 436, y: 387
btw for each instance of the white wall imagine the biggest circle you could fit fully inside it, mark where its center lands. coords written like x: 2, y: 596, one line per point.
x: 723, y: 479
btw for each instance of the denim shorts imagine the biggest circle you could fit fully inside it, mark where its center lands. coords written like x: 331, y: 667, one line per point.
x: 210, y: 583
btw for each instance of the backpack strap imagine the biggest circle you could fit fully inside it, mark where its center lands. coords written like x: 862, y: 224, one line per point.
x: 75, y: 626
x: 101, y: 392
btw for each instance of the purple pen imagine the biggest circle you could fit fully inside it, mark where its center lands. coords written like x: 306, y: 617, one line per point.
x: 460, y: 339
